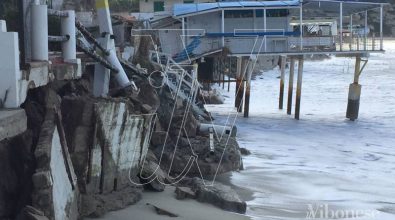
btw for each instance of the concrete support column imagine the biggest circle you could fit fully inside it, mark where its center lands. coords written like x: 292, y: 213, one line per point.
x: 250, y: 68
x: 282, y: 80
x: 101, y: 79
x: 299, y: 87
x: 291, y: 85
x: 39, y: 20
x: 69, y: 48
x: 354, y: 93
x: 105, y: 25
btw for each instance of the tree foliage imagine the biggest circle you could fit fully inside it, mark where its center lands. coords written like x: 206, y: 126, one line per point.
x: 124, y: 5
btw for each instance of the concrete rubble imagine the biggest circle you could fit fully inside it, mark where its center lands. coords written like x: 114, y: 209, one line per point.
x: 86, y: 156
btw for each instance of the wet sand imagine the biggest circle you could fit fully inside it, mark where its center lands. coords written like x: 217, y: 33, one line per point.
x: 186, y: 209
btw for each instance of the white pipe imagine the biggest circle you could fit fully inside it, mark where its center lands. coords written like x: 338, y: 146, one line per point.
x: 105, y: 25
x: 218, y: 129
x: 366, y: 31
x: 341, y: 26
x: 381, y: 28
x: 212, y: 149
x: 69, y: 47
x: 351, y: 32
x: 39, y: 18
x: 183, y: 33
x: 265, y: 27
x: 3, y: 26
x: 301, y: 26
x: 223, y: 27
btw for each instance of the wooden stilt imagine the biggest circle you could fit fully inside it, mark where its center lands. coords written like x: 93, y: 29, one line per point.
x: 354, y: 94
x: 240, y: 93
x: 223, y: 75
x: 238, y: 81
x: 248, y: 88
x: 282, y: 80
x: 299, y: 88
x: 291, y: 85
x: 230, y: 70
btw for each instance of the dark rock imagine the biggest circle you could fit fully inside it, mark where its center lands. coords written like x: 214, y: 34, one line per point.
x: 158, y: 138
x: 152, y: 176
x: 42, y: 180
x: 31, y: 213
x: 225, y: 158
x: 219, y: 195
x: 244, y: 151
x: 161, y: 211
x: 184, y: 192
x: 96, y: 205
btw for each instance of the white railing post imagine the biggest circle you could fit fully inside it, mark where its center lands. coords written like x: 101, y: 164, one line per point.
x: 69, y: 47
x: 39, y: 19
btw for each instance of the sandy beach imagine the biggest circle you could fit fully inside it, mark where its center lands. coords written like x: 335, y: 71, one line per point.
x: 186, y: 209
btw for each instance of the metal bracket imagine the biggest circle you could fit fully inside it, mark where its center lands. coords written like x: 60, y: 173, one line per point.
x: 365, y: 62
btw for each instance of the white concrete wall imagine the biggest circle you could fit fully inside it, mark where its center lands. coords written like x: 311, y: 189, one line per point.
x: 9, y: 68
x: 62, y: 192
x: 125, y: 140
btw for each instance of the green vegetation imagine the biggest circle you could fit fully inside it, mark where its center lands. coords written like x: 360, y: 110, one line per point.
x: 124, y: 5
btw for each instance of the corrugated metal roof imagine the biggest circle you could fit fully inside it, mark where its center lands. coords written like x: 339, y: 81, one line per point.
x: 185, y: 9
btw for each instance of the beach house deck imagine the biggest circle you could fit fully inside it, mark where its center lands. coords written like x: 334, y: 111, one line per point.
x: 275, y: 27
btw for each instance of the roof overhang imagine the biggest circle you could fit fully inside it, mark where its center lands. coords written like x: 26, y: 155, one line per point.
x: 186, y: 10
x: 349, y: 6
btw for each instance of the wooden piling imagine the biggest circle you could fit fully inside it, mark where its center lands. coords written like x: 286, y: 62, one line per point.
x: 282, y: 80
x: 354, y: 94
x: 223, y: 75
x: 248, y: 76
x: 299, y: 87
x: 238, y: 81
x: 240, y: 93
x: 291, y: 85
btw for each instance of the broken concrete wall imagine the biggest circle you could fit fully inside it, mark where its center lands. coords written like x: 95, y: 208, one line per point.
x: 55, y: 191
x: 123, y: 138
x: 108, y: 139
